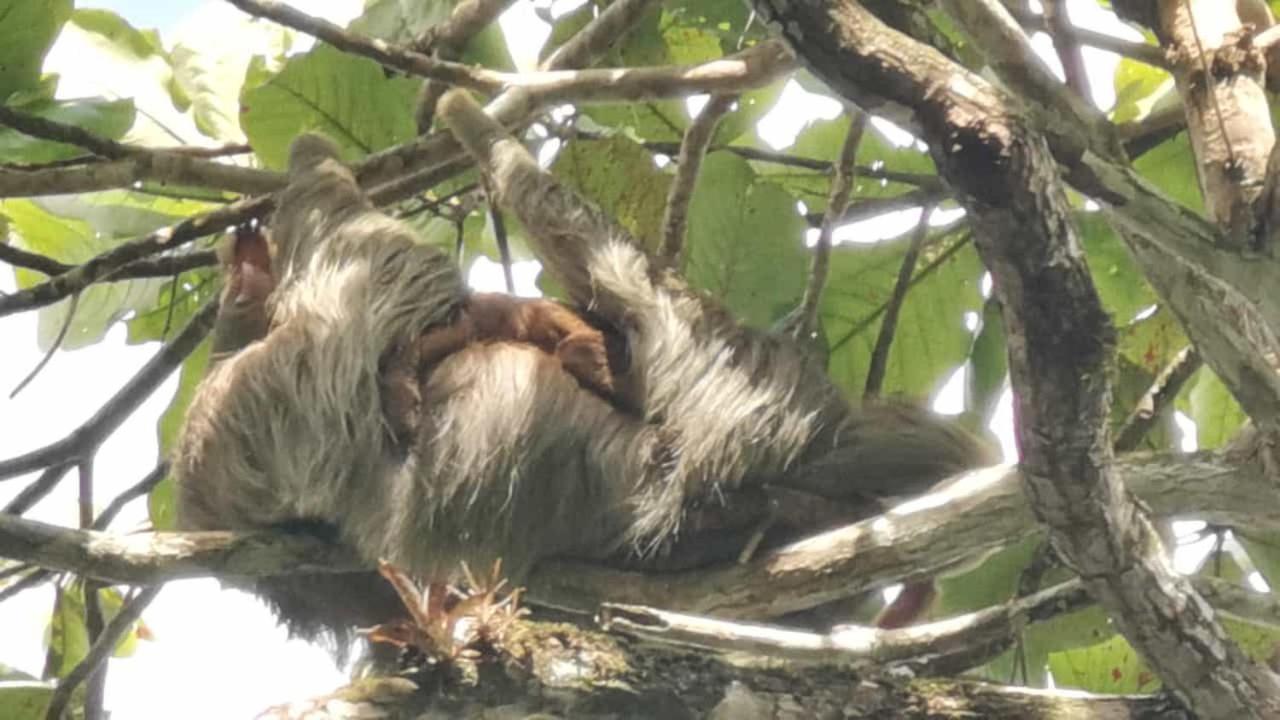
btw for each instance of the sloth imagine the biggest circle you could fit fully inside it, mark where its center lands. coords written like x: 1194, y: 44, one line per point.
x: 508, y: 453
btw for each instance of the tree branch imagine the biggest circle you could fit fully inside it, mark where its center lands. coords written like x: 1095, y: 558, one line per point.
x: 749, y: 69
x: 133, y: 164
x: 688, y: 164
x: 884, y: 340
x: 940, y: 648
x: 109, y: 265
x: 837, y: 204
x: 1157, y: 400
x: 979, y: 512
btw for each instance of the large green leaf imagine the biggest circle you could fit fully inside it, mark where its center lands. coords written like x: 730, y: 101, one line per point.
x: 68, y: 636
x: 72, y: 242
x: 27, y: 700
x: 823, y: 140
x: 1217, y: 415
x: 1139, y: 88
x: 1112, y: 666
x: 745, y: 243
x: 348, y: 98
x: 210, y: 63
x: 932, y: 338
x: 106, y: 118
x: 988, y: 364
x: 1121, y: 286
x: 28, y: 29
x: 620, y: 177
x: 1171, y: 167
x: 99, y: 52
x: 1152, y: 342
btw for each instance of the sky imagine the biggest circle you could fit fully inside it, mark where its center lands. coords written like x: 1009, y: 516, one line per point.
x: 208, y: 641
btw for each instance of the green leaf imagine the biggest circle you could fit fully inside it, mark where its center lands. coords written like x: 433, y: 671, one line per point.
x: 28, y: 29
x: 26, y: 700
x: 620, y: 177
x: 1171, y: 167
x: 106, y: 118
x: 1121, y: 285
x: 1264, y: 551
x: 1111, y: 667
x: 174, y: 306
x: 1131, y: 384
x: 745, y: 241
x: 348, y: 98
x: 1139, y: 88
x: 109, y: 53
x: 72, y: 242
x: 823, y: 140
x: 988, y: 364
x: 210, y: 64
x: 931, y: 339
x: 992, y: 582
x: 1152, y: 342
x: 1217, y: 415
x: 68, y: 636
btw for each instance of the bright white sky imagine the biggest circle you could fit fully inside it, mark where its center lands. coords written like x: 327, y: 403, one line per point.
x: 218, y: 654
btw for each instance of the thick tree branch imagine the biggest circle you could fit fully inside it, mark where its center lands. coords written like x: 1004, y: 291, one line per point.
x: 751, y: 68
x: 1220, y: 77
x: 984, y: 511
x: 133, y: 164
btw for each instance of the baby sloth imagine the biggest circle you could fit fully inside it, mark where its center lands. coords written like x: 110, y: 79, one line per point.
x: 582, y: 349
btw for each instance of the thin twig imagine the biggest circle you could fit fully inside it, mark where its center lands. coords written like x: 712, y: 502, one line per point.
x: 1157, y: 400
x: 86, y: 438
x: 692, y: 149
x: 871, y: 207
x: 889, y: 326
x: 1067, y: 45
x: 101, y: 649
x: 137, y: 490
x: 865, y: 323
x: 504, y: 246
x: 53, y: 348
x: 37, y: 577
x: 837, y: 202
x: 39, y: 127
x: 38, y: 490
x: 1142, y: 52
x: 18, y: 257
x: 670, y: 149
